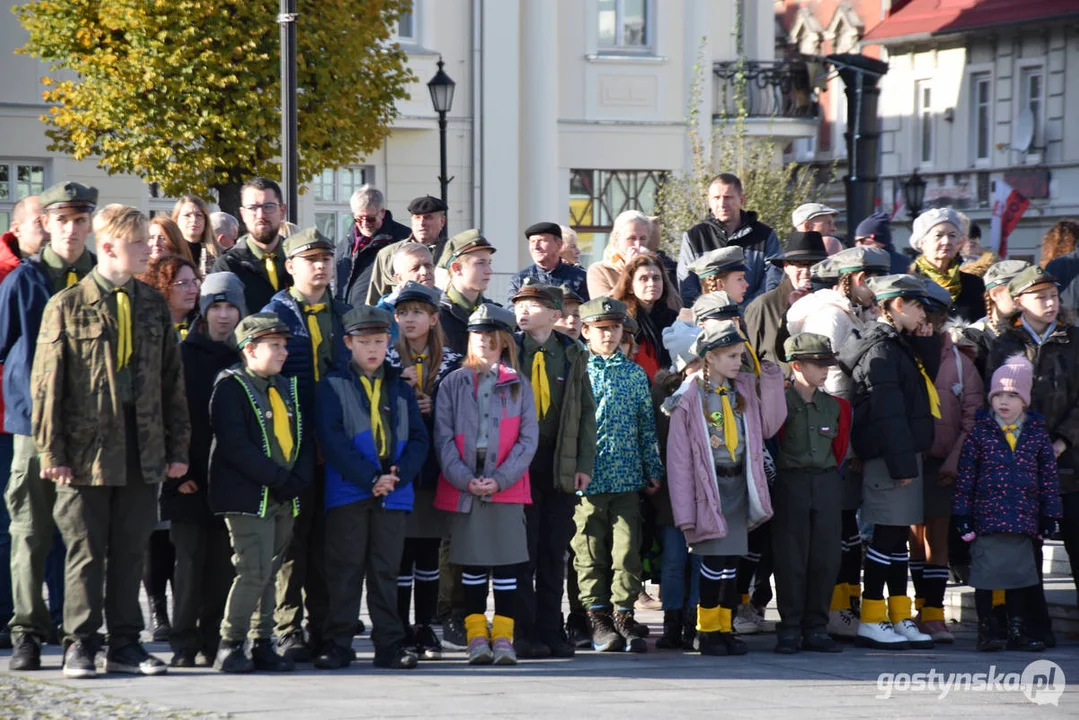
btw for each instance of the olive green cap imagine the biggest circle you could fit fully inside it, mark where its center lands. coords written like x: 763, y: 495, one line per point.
x: 69, y: 195
x: 305, y: 241
x: 489, y: 316
x: 631, y: 325
x: 568, y: 295
x: 715, y: 305
x: 1001, y: 273
x: 533, y: 289
x: 722, y: 259
x: 1032, y: 276
x: 809, y: 346
x: 366, y: 319
x: 258, y: 326
x: 603, y: 308
x: 891, y: 286
x: 463, y: 243
x: 862, y: 257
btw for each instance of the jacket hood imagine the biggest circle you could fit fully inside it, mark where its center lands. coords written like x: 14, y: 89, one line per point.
x: 855, y: 347
x: 201, y: 342
x: 813, y: 303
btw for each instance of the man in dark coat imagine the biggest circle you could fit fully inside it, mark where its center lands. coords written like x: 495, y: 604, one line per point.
x: 548, y: 268
x: 428, y: 217
x: 354, y: 254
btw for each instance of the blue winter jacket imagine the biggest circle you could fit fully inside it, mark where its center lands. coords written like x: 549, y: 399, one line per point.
x: 343, y: 428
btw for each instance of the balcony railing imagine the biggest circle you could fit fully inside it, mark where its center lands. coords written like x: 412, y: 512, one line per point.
x: 765, y: 88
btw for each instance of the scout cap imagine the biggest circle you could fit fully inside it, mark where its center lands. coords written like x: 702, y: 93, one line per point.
x: 939, y: 298
x: 426, y: 204
x: 713, y: 262
x: 811, y: 347
x: 678, y: 339
x: 825, y: 273
x: 808, y: 211
x: 863, y: 257
x: 569, y: 296
x: 929, y: 220
x: 490, y: 317
x: 257, y: 326
x: 366, y: 319
x: 603, y: 308
x: 721, y: 334
x: 631, y: 325
x: 463, y: 243
x: 1031, y: 277
x: 222, y: 287
x: 892, y: 286
x: 414, y: 291
x: 69, y: 195
x: 544, y: 228
x: 533, y: 289
x: 1002, y: 272
x: 805, y: 246
x: 305, y: 241
x: 715, y: 305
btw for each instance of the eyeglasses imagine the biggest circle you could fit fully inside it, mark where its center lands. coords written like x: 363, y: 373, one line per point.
x: 269, y: 207
x: 367, y: 218
x: 185, y: 284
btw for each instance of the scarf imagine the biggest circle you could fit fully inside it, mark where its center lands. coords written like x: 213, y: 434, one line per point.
x: 123, y: 327
x: 281, y: 428
x: 541, y: 387
x: 269, y: 261
x: 374, y: 396
x: 313, y: 330
x: 948, y: 279
x: 730, y: 427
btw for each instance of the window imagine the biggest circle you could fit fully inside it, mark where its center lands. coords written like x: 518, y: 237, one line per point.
x: 981, y: 107
x: 1032, y: 97
x: 331, y: 190
x: 18, y: 180
x: 406, y: 26
x: 923, y: 112
x: 623, y: 25
x: 596, y: 197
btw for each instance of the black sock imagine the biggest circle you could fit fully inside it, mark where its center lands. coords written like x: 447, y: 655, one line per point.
x: 850, y: 565
x: 474, y: 583
x: 916, y: 568
x: 505, y: 590
x: 877, y: 565
x: 983, y: 603
x: 935, y: 582
x: 897, y: 574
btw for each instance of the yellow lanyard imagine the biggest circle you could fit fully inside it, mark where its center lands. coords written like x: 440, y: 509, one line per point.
x: 1010, y: 436
x: 123, y: 327
x: 417, y: 362
x: 934, y: 397
x: 282, y: 429
x: 182, y: 328
x: 541, y: 386
x: 269, y: 260
x: 374, y: 394
x: 316, y: 333
x: 72, y: 277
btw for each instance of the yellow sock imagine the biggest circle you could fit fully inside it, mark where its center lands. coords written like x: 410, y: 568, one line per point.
x: 873, y: 611
x: 708, y: 619
x: 502, y: 627
x: 919, y: 603
x: 932, y: 613
x: 998, y: 598
x: 840, y: 597
x: 899, y: 608
x: 724, y: 619
x: 745, y: 598
x: 476, y: 626
x: 855, y: 590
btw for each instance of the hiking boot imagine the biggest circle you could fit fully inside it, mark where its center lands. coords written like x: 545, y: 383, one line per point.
x: 915, y: 637
x: 183, y: 659
x: 531, y: 649
x: 454, y: 636
x: 265, y: 659
x: 989, y: 635
x: 735, y: 645
x: 647, y: 602
x: 880, y: 635
x: 577, y: 630
x: 672, y: 631
x: 631, y: 631
x: 133, y: 660
x: 843, y: 624
x: 820, y: 642
x: 787, y: 645
x: 293, y: 647
x: 1018, y: 639
x: 708, y: 643
x: 333, y: 657
x: 560, y: 647
x: 159, y: 620
x: 395, y: 657
x: 604, y: 636
x: 426, y: 644
x: 79, y: 661
x: 479, y: 651
x: 689, y: 631
x: 502, y: 652
x: 230, y: 658
x: 27, y: 654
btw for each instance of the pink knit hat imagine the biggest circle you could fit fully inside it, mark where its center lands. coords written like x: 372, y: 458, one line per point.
x: 1016, y: 375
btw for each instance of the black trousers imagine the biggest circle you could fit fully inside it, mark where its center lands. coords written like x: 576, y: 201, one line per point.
x: 201, y: 585
x: 301, y: 582
x: 159, y: 566
x: 549, y: 527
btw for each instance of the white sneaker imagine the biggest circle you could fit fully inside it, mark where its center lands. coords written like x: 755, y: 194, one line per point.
x: 882, y: 636
x: 917, y: 639
x: 747, y: 621
x: 843, y: 624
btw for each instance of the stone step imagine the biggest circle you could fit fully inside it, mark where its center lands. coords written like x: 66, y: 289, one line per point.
x: 1060, y: 595
x: 1055, y: 560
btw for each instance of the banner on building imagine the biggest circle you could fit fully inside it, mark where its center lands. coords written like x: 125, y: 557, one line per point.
x: 1008, y: 207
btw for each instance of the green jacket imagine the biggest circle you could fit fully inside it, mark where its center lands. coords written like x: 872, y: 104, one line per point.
x: 77, y: 420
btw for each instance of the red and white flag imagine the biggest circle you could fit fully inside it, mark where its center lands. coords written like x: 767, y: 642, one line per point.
x: 1008, y: 206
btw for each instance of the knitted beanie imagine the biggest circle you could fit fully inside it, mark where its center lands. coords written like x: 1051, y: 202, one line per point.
x: 222, y: 287
x: 1016, y: 375
x: 677, y: 339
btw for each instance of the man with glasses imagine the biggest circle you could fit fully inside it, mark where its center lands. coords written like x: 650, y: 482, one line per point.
x: 356, y: 253
x: 256, y: 258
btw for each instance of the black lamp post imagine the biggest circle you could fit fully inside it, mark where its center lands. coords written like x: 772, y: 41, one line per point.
x: 442, y: 87
x: 914, y: 194
x: 290, y: 158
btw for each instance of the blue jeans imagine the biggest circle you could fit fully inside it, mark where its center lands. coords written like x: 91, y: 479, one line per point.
x: 7, y: 605
x: 672, y: 579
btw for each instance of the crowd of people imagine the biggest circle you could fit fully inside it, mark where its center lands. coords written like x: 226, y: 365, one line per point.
x: 281, y: 426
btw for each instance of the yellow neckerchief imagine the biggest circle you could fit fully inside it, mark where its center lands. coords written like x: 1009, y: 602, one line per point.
x: 541, y: 386
x: 72, y: 277
x: 269, y: 261
x: 948, y: 279
x: 182, y: 328
x: 374, y: 396
x: 418, y: 359
x: 282, y: 429
x: 311, y: 311
x: 123, y: 327
x: 934, y: 396
x: 1010, y: 435
x: 730, y: 426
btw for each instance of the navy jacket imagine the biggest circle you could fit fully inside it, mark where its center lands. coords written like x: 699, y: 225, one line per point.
x: 564, y: 274
x: 759, y: 243
x: 353, y: 272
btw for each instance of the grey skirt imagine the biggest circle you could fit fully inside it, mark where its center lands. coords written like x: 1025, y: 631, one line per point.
x: 491, y: 534
x: 734, y: 501
x: 1002, y: 561
x: 885, y: 501
x: 425, y: 521
x: 936, y: 498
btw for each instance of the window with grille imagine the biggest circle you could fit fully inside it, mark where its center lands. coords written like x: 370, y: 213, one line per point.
x: 18, y: 179
x: 596, y: 197
x: 331, y: 190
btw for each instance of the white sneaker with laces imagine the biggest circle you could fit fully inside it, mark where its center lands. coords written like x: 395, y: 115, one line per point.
x: 917, y: 639
x: 881, y: 635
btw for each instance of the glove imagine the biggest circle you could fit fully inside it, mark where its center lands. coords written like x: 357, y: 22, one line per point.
x: 962, y: 526
x: 1046, y: 527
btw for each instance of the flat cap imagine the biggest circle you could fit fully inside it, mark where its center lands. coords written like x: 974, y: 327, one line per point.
x: 69, y: 195
x: 713, y: 262
x: 939, y: 298
x: 1001, y: 273
x: 678, y: 338
x: 891, y: 286
x: 463, y: 243
x: 532, y: 289
x: 717, y: 335
x: 305, y: 241
x: 366, y: 319
x: 426, y: 204
x: 862, y: 257
x: 544, y: 228
x: 715, y: 305
x: 492, y: 317
x: 415, y: 292
x: 603, y: 308
x: 257, y: 326
x: 809, y: 346
x: 808, y: 211
x: 1029, y: 278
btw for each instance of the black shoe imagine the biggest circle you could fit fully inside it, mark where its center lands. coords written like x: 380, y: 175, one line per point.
x: 560, y: 646
x: 27, y: 654
x: 989, y: 635
x: 231, y: 658
x: 709, y: 643
x: 5, y: 639
x: 689, y: 631
x: 632, y: 631
x: 54, y: 635
x: 333, y: 657
x: 361, y: 628
x: 183, y: 659
x: 266, y: 659
x: 820, y: 642
x: 133, y: 660
x: 735, y: 645
x: 159, y: 620
x: 293, y: 647
x: 577, y: 630
x: 527, y: 649
x: 788, y: 645
x: 672, y: 631
x: 426, y: 643
x: 1000, y: 618
x: 395, y: 657
x: 1018, y: 640
x: 453, y: 634
x: 604, y: 636
x: 79, y: 661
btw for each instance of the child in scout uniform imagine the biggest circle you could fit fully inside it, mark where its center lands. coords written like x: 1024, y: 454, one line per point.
x: 110, y: 423
x: 806, y: 498
x: 557, y: 368
x: 315, y: 347
x: 467, y: 259
x: 722, y: 269
x: 486, y: 434
x: 999, y: 307
x: 374, y: 441
x: 24, y: 293
x: 895, y: 402
x: 260, y: 462
x: 608, y: 517
x: 424, y: 360
x: 1006, y: 498
x: 715, y: 307
x: 203, y: 568
x: 569, y: 322
x: 715, y: 471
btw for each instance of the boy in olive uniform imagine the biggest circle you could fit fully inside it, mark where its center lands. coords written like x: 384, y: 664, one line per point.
x: 110, y: 421
x: 260, y: 462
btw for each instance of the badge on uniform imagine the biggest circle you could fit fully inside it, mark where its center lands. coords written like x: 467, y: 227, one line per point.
x: 269, y: 414
x: 715, y: 442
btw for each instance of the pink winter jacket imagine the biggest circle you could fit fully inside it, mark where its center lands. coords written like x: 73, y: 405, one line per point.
x: 959, y: 402
x: 691, y: 472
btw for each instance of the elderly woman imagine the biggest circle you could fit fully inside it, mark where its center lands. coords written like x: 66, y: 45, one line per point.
x: 571, y: 248
x: 936, y: 235
x: 630, y: 236
x: 166, y: 239
x: 646, y: 290
x: 192, y: 215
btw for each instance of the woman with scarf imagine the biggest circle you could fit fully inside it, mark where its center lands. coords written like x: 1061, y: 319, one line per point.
x: 647, y: 292
x: 936, y: 236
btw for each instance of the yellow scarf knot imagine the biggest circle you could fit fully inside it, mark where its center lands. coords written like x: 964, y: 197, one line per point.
x: 1010, y: 436
x: 72, y: 277
x: 730, y: 426
x: 417, y: 362
x: 269, y: 260
x: 282, y: 428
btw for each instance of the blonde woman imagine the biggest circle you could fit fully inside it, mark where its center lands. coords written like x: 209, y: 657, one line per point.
x: 192, y: 214
x: 631, y: 235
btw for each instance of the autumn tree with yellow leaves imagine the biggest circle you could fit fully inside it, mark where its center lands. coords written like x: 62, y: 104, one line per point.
x: 186, y: 93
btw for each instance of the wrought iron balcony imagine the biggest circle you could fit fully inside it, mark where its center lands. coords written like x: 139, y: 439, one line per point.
x: 765, y: 88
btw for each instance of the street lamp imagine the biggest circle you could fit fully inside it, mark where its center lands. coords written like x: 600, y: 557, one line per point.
x: 914, y: 194
x: 442, y: 87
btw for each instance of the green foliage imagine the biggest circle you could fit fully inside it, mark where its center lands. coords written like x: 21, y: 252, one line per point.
x: 186, y: 93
